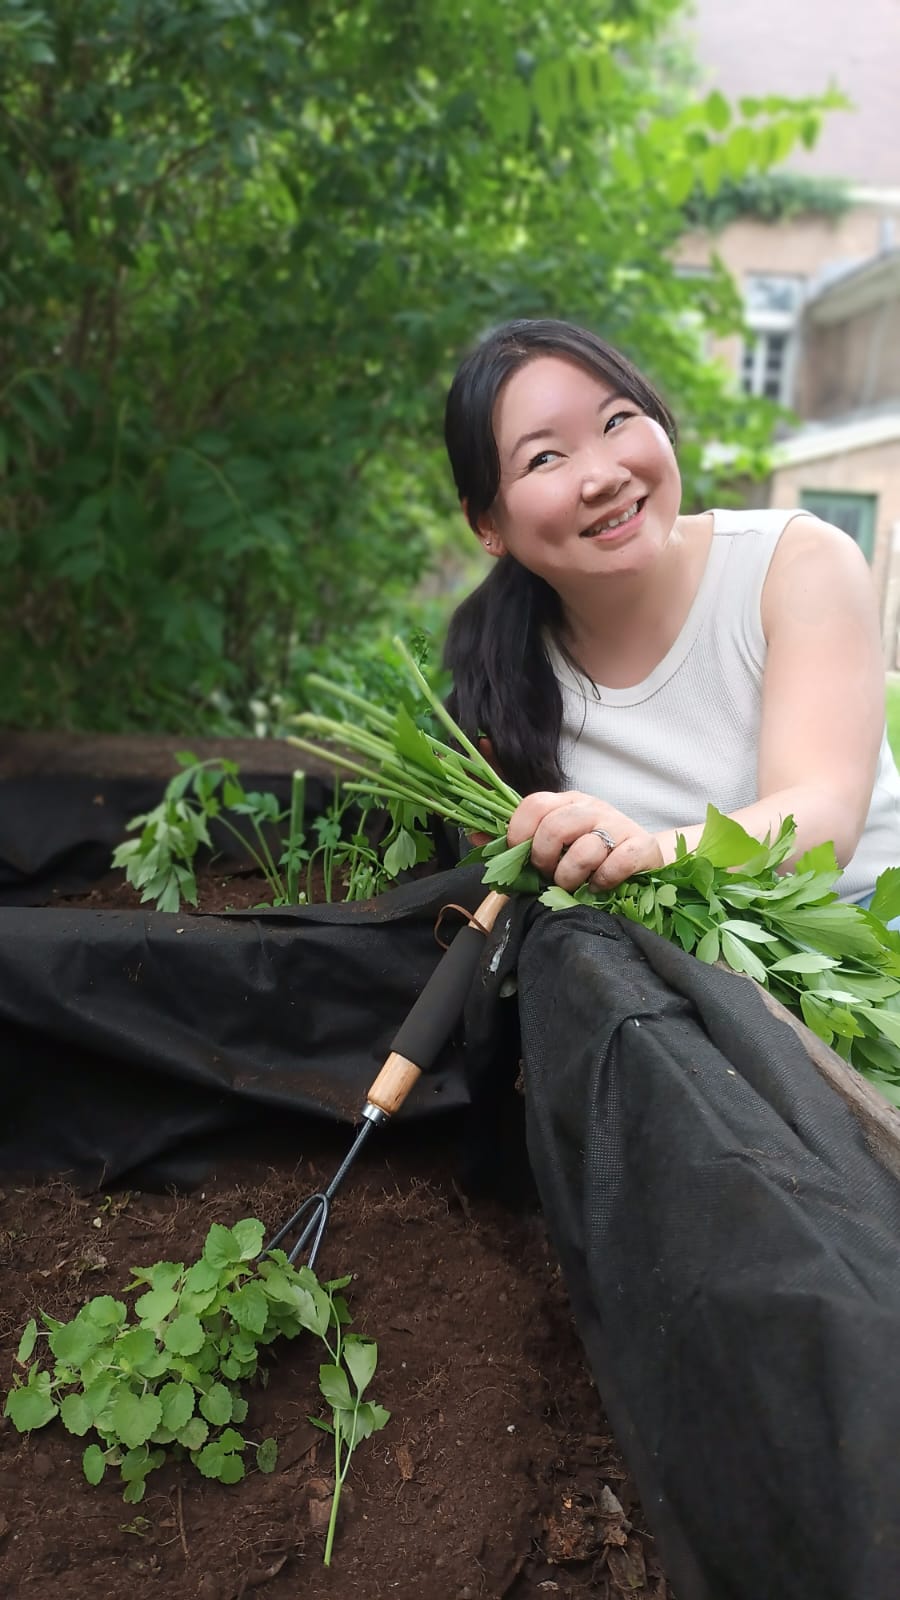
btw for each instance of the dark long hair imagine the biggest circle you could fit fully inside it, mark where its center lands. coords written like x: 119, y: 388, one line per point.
x: 503, y: 683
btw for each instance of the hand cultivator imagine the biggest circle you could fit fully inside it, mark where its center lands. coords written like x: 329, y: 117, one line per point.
x: 414, y: 1049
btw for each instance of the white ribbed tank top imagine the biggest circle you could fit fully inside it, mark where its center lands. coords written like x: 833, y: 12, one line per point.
x: 662, y: 749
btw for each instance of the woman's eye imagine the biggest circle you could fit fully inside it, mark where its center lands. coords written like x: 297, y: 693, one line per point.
x: 617, y: 418
x: 541, y: 457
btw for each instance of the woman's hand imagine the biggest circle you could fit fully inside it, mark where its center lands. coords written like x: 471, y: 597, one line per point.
x: 578, y: 839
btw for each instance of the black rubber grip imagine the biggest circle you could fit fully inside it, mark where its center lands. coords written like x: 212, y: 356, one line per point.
x: 430, y: 1022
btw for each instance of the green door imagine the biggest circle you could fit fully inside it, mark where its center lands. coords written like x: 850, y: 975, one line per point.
x: 855, y: 513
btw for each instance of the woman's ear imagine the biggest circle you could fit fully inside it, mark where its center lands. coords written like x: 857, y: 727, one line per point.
x: 487, y: 535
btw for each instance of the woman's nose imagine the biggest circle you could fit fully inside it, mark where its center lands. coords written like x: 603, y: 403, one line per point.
x: 603, y: 477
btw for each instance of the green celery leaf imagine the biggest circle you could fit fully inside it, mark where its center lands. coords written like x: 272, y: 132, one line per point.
x: 725, y: 843
x: 740, y: 958
x: 836, y: 930
x: 748, y: 930
x: 820, y: 859
x: 334, y: 1386
x: 505, y: 868
x: 887, y: 1022
x: 413, y: 745
x: 361, y: 1358
x: 804, y: 961
x: 400, y: 854
x: 886, y: 900
x: 708, y: 948
x: 816, y: 1016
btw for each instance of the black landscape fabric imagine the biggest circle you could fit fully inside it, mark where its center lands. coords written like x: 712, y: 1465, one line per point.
x: 127, y: 1039
x: 731, y: 1250
x: 729, y: 1243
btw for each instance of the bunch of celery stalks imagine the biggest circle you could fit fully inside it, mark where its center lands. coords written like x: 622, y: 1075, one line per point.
x: 835, y: 965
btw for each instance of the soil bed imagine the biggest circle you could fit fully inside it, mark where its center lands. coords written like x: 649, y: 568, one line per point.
x: 496, y: 1476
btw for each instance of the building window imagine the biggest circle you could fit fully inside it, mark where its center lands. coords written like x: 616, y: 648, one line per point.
x: 765, y: 366
x: 772, y: 304
x: 855, y: 513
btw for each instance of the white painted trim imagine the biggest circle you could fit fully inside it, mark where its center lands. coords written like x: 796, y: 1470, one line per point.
x: 837, y: 439
x: 864, y: 194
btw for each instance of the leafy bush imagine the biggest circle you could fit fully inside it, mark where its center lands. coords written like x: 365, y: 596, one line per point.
x: 236, y: 280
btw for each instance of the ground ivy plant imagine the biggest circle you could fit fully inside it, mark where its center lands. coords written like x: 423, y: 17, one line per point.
x: 163, y: 1378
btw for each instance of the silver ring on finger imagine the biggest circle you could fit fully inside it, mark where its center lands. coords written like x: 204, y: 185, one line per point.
x: 607, y: 838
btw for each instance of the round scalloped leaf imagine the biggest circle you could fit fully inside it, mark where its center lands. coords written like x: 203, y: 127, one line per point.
x: 184, y: 1336
x: 178, y: 1401
x: 216, y: 1405
x: 249, y: 1235
x: 194, y: 1434
x: 249, y: 1307
x: 76, y: 1415
x: 232, y: 1469
x: 29, y: 1407
x: 154, y: 1306
x: 221, y: 1248
x: 135, y: 1417
x: 267, y: 1455
x: 105, y: 1311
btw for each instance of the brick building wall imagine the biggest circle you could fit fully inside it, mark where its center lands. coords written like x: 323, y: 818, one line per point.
x: 799, y: 47
x: 869, y: 471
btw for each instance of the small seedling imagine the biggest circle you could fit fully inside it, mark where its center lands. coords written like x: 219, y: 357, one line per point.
x: 352, y: 1418
x: 164, y: 1379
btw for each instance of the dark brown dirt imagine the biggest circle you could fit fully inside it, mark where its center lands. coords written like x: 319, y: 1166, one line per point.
x: 496, y: 1477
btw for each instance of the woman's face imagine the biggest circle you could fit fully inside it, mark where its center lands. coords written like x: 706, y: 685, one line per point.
x: 589, y: 485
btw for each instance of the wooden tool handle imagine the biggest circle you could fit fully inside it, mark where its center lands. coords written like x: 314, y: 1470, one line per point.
x: 393, y: 1083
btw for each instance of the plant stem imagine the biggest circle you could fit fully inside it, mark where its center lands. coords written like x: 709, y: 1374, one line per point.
x: 295, y: 834
x: 484, y: 767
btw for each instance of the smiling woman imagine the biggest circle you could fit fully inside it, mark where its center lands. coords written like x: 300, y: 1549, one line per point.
x: 626, y: 664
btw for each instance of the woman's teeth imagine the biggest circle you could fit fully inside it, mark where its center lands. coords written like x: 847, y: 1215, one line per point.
x: 614, y: 522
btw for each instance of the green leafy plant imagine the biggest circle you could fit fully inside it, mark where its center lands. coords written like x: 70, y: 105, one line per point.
x: 352, y: 1418
x: 835, y: 965
x: 164, y: 1378
x: 160, y: 862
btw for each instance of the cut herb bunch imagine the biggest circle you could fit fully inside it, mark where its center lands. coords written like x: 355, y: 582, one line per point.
x: 835, y: 965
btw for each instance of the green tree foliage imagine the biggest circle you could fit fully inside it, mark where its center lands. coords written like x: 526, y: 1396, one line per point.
x: 770, y: 196
x: 243, y: 245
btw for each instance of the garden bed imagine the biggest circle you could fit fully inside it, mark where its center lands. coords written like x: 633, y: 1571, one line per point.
x: 496, y: 1475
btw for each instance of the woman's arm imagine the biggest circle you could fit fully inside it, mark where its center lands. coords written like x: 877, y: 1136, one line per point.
x: 822, y: 721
